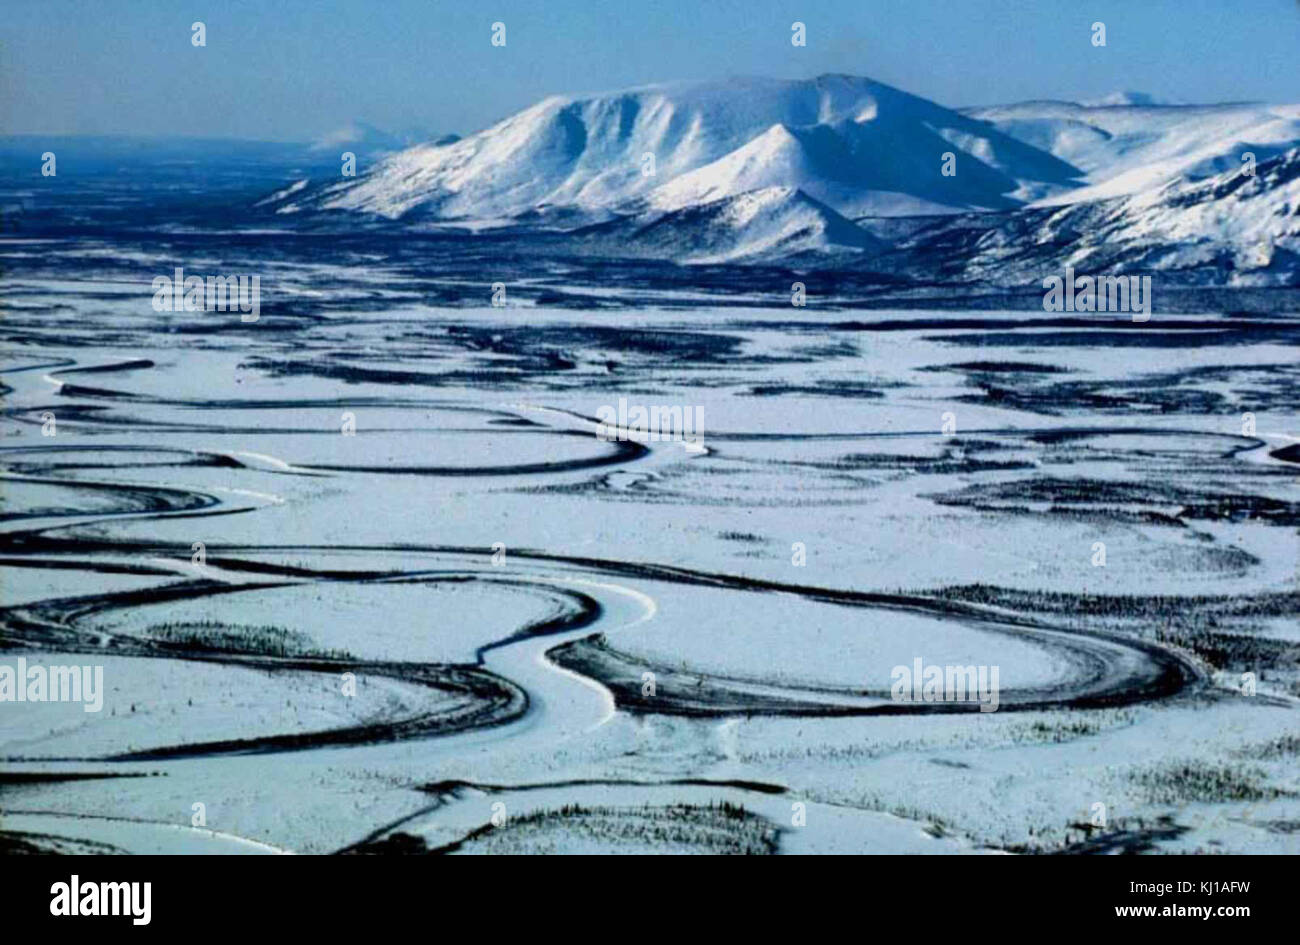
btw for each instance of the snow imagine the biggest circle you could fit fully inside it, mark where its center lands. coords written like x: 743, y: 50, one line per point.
x: 769, y: 222
x: 1125, y: 147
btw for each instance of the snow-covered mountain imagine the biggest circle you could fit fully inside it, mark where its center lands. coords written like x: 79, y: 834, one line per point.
x: 1125, y: 148
x: 860, y: 146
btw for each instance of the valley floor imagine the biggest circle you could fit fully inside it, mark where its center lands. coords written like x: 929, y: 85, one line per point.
x: 363, y: 576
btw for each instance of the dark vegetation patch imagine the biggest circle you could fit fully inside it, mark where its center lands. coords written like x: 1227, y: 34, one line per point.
x: 1287, y: 827
x: 1208, y: 610
x: 1199, y: 782
x: 722, y: 828
x: 1284, y: 746
x: 214, y: 636
x: 1202, y: 390
x: 949, y: 463
x: 1232, y: 651
x: 747, y: 537
x: 1130, y: 836
x: 1055, y: 732
x: 1157, y: 502
x: 1222, y: 630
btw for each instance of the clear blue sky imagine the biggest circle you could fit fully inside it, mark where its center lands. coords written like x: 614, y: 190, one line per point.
x: 295, y: 69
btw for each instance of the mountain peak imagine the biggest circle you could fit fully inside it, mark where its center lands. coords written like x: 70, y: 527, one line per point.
x: 859, y: 146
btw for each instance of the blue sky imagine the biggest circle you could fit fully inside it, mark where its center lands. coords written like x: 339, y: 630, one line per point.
x: 294, y: 69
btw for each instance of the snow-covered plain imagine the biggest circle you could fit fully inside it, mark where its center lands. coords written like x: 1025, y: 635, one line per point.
x: 416, y: 493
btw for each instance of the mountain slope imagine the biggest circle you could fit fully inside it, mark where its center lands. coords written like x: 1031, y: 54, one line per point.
x: 861, y: 168
x: 759, y: 225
